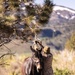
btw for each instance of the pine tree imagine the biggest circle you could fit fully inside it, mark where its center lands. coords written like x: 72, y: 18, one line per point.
x: 46, y: 11
x: 14, y: 13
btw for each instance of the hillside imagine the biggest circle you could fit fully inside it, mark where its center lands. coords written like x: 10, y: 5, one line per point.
x: 62, y: 14
x: 55, y: 33
x: 60, y: 27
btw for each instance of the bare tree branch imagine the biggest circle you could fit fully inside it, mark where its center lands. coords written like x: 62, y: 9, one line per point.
x: 6, y: 54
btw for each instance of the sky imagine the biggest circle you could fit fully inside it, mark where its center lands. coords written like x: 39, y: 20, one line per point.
x: 67, y: 3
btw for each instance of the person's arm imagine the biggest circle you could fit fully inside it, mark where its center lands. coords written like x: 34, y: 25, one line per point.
x: 39, y: 44
x: 32, y: 49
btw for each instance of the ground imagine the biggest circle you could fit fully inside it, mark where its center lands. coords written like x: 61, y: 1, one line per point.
x: 16, y: 46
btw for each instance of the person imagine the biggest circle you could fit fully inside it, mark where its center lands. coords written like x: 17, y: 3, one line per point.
x: 47, y: 58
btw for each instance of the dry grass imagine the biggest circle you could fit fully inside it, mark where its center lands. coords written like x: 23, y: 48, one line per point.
x: 64, y: 60
x: 13, y: 64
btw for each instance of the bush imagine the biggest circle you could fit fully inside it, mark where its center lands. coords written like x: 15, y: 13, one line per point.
x: 62, y: 72
x: 70, y: 44
x: 64, y: 62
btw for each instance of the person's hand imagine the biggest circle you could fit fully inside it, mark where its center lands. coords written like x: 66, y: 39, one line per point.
x: 36, y: 42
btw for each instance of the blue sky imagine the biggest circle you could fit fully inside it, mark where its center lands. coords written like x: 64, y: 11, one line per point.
x: 67, y: 3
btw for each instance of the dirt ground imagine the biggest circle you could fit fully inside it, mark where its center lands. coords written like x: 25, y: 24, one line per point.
x: 16, y: 46
x: 19, y: 47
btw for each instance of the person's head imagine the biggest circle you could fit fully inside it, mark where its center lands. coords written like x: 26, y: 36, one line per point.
x: 46, y: 51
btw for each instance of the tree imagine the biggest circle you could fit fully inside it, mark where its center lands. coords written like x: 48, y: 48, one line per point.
x: 46, y: 11
x: 15, y: 14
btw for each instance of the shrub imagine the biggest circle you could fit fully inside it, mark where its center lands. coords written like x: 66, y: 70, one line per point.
x: 70, y: 44
x: 62, y: 72
x: 64, y: 62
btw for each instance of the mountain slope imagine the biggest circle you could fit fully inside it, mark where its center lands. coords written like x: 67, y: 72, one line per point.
x: 60, y: 27
x: 62, y: 14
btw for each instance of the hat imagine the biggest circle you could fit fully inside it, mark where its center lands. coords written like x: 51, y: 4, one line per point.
x: 45, y: 49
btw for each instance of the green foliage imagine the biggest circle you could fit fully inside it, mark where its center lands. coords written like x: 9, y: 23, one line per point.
x: 6, y: 29
x: 48, y: 3
x: 46, y: 11
x: 70, y: 44
x: 62, y: 72
x: 31, y: 11
x: 13, y: 3
x: 11, y: 15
